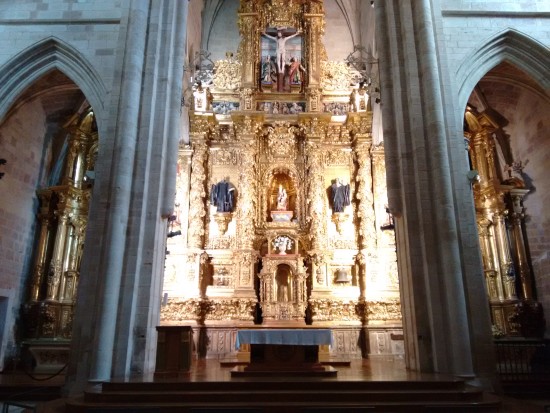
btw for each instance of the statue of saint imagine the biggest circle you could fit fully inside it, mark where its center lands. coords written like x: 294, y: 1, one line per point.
x: 269, y: 70
x: 296, y: 72
x: 282, y: 279
x: 202, y: 98
x: 359, y: 98
x: 281, y: 47
x: 222, y: 196
x: 282, y: 199
x: 339, y: 195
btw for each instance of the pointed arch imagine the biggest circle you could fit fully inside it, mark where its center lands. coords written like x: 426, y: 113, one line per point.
x: 32, y: 63
x: 509, y: 45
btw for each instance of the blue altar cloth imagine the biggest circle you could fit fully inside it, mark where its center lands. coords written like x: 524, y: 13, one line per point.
x: 296, y: 337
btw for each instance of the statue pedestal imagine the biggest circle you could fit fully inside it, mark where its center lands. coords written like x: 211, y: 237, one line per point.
x: 282, y: 216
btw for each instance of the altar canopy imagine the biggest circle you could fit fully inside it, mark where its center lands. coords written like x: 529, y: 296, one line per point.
x: 291, y: 337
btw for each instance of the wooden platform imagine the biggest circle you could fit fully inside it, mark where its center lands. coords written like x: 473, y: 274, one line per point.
x: 266, y: 371
x: 365, y: 386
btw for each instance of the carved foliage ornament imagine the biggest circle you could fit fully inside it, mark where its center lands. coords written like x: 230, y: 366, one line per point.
x: 246, y: 126
x: 201, y: 310
x: 227, y: 74
x: 281, y: 139
x: 335, y: 76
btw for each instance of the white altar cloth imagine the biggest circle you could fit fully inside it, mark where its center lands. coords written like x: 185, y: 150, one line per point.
x: 296, y: 337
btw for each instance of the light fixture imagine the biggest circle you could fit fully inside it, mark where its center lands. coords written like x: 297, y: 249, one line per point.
x: 171, y: 232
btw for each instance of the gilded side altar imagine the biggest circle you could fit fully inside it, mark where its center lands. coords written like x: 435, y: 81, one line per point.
x: 282, y: 195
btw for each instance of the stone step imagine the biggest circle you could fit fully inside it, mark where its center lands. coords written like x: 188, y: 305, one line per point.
x: 284, y: 383
x: 290, y: 395
x: 486, y: 404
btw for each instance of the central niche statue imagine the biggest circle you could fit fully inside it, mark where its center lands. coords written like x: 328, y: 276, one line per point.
x: 282, y: 199
x: 283, y: 284
x: 339, y: 194
x: 223, y: 196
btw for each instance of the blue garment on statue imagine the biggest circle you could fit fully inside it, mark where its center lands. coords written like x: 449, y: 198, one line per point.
x: 340, y: 197
x: 222, y: 196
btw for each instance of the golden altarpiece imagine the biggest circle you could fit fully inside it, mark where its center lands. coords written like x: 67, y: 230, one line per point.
x: 281, y: 195
x: 499, y: 191
x: 62, y: 221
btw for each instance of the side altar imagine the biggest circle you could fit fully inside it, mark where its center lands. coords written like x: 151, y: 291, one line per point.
x: 281, y: 195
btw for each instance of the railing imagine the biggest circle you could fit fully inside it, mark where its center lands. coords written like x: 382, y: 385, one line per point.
x: 523, y: 364
x: 19, y: 407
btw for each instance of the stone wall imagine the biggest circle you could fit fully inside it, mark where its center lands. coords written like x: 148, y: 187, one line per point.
x: 220, y: 33
x: 91, y: 28
x: 467, y: 26
x: 22, y: 145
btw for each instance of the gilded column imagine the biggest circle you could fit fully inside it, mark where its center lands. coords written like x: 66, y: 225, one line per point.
x: 69, y: 240
x: 524, y: 269
x: 315, y: 52
x: 362, y: 127
x: 183, y: 189
x: 56, y: 264
x: 249, y: 51
x: 68, y: 293
x: 384, y: 225
x: 197, y: 193
x: 40, y: 264
x: 314, y: 130
x: 505, y: 258
x: 493, y: 286
x: 314, y: 29
x: 246, y: 128
x: 315, y: 199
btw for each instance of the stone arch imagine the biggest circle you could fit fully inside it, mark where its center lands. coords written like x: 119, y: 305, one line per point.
x: 510, y: 45
x: 42, y: 57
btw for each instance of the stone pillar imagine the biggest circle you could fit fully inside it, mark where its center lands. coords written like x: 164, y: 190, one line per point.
x: 124, y: 256
x: 439, y: 264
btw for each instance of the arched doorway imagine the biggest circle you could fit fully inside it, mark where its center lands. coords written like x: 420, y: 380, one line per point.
x: 50, y: 142
x: 505, y: 120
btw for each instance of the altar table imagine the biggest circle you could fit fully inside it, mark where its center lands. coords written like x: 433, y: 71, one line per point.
x: 289, y: 351
x: 293, y: 337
